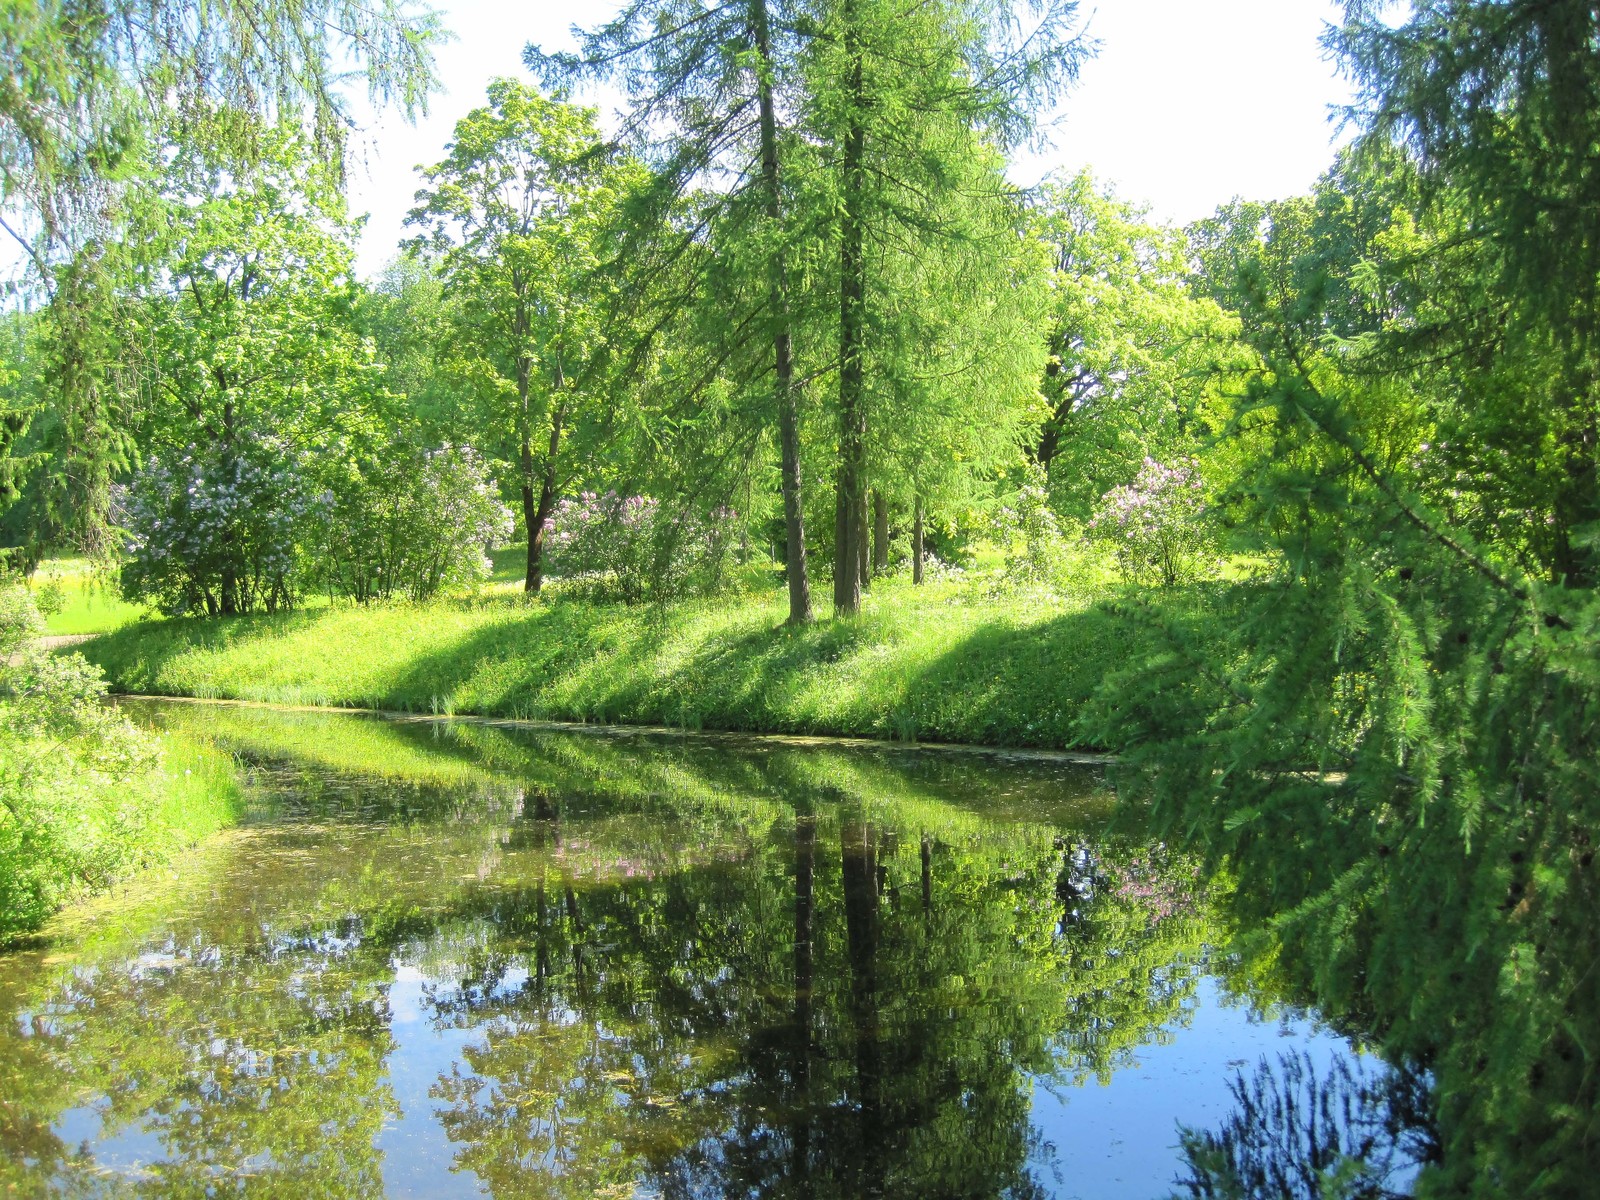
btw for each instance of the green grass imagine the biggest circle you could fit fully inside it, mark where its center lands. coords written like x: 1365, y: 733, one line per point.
x: 939, y: 663
x: 82, y: 831
x: 89, y: 602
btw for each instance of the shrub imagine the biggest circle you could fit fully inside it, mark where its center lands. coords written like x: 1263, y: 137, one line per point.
x: 1156, y: 524
x: 66, y: 759
x: 219, y: 534
x: 636, y: 549
x: 417, y: 525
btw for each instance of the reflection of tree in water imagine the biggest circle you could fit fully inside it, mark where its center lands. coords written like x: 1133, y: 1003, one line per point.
x: 846, y: 1005
x: 784, y: 973
x: 1351, y: 1133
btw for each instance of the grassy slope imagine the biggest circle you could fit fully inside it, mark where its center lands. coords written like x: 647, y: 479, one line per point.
x: 97, y: 832
x: 929, y: 664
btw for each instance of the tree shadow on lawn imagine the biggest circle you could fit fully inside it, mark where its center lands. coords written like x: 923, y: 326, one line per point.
x: 136, y: 656
x: 1001, y: 683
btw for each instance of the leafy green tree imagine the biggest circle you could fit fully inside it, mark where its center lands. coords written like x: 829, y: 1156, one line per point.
x: 245, y: 323
x: 97, y: 94
x: 517, y: 218
x: 1393, y: 733
x: 910, y: 107
x: 1137, y: 360
x: 713, y: 91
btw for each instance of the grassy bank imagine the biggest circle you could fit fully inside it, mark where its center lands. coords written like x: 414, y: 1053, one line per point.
x: 83, y: 828
x: 926, y: 664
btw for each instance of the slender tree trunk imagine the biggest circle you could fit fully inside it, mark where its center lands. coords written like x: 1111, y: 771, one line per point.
x: 880, y: 533
x: 538, y: 516
x: 794, y: 554
x: 852, y: 305
x: 916, y: 541
x: 230, y: 579
x: 864, y: 539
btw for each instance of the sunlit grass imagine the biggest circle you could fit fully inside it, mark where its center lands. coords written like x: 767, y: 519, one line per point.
x: 945, y: 662
x: 84, y: 600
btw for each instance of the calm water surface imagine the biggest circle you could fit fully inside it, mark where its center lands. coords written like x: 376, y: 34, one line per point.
x: 443, y: 960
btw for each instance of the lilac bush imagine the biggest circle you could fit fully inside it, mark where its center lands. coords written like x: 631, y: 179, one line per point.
x: 1156, y: 524
x: 218, y: 532
x: 413, y: 526
x: 636, y: 548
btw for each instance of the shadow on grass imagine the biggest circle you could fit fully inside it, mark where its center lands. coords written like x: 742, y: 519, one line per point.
x: 906, y: 670
x: 135, y: 656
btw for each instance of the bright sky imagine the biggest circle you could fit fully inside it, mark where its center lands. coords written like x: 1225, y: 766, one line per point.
x: 1188, y: 104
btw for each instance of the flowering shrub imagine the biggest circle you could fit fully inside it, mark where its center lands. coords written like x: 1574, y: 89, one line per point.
x: 219, y: 534
x: 416, y: 526
x: 1156, y: 523
x: 634, y: 548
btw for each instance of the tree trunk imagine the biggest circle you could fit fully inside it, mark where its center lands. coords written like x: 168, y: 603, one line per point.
x: 864, y: 540
x: 880, y: 533
x: 794, y: 551
x: 538, y: 515
x: 916, y: 541
x: 852, y: 304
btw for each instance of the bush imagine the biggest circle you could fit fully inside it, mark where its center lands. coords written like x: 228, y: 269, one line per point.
x: 633, y: 548
x: 1156, y: 524
x: 66, y: 761
x: 219, y: 535
x: 418, y: 525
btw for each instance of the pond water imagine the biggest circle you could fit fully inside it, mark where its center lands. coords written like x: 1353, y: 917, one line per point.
x: 444, y: 959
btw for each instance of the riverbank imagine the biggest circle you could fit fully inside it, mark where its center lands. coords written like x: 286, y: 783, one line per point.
x: 87, y: 825
x: 931, y: 664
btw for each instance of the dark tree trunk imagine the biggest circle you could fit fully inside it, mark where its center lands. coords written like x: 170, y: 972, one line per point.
x: 805, y: 857
x: 864, y: 542
x: 537, y: 515
x: 778, y: 288
x: 880, y: 533
x: 852, y: 305
x: 916, y: 541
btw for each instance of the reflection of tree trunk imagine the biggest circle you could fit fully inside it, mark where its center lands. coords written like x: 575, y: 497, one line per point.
x: 805, y: 857
x: 927, y: 874
x: 576, y: 920
x: 860, y: 869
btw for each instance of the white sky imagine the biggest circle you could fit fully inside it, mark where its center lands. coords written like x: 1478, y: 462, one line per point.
x: 1188, y: 104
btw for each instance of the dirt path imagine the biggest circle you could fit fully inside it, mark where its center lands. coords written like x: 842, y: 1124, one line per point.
x: 64, y: 639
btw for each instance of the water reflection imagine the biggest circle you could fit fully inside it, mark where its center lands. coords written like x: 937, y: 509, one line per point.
x: 567, y: 965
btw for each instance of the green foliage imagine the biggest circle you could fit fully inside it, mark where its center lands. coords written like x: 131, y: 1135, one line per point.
x: 415, y: 526
x: 1394, y: 742
x: 516, y: 219
x: 85, y: 798
x: 1137, y: 361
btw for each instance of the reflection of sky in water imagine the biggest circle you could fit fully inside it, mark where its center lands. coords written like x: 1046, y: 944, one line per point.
x: 1093, y: 1141
x: 1104, y: 1142
x: 1121, y: 1139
